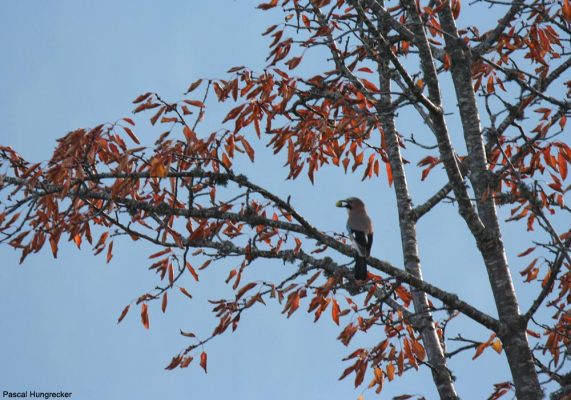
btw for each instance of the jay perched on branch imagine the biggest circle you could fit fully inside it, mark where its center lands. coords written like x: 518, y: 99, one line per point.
x: 360, y: 230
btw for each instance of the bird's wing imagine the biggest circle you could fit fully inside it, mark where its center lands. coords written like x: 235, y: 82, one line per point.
x: 369, y: 243
x: 359, y: 241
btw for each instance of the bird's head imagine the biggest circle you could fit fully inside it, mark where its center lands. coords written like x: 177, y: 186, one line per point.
x: 351, y: 203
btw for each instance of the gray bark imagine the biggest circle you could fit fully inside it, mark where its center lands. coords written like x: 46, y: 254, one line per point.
x: 491, y: 246
x: 407, y: 221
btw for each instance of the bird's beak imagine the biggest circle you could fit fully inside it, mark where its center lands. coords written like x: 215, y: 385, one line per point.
x: 341, y: 203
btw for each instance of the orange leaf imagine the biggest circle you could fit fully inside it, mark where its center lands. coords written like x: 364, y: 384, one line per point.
x: 566, y: 10
x: 497, y: 346
x: 123, y: 313
x: 480, y: 349
x: 203, y: 361
x: 490, y: 84
x: 132, y: 135
x: 77, y: 240
x: 145, y: 315
x: 389, y: 173
x: 390, y: 371
x: 335, y: 311
x: 370, y: 86
x: 226, y: 161
x: 562, y: 165
x: 189, y: 134
x: 158, y: 169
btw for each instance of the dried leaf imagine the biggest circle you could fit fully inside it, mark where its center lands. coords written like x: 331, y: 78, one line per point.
x: 192, y: 271
x: 335, y: 311
x: 203, y: 360
x: 132, y: 135
x: 164, y: 302
x: 566, y: 10
x: 497, y: 346
x: 123, y: 313
x: 145, y: 315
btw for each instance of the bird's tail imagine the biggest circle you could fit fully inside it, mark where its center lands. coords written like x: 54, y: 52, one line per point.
x: 360, y: 268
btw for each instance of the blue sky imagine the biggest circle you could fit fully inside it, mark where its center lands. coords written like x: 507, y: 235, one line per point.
x: 70, y: 64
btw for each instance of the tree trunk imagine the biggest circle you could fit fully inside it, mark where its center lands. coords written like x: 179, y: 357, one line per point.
x: 423, y: 321
x: 513, y: 330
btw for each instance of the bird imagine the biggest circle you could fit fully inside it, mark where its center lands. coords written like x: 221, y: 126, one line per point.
x: 360, y: 229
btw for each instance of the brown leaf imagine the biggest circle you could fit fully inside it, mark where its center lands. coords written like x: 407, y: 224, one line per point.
x: 244, y: 289
x: 566, y: 10
x: 562, y: 165
x: 526, y: 252
x: 132, y: 135
x: 185, y: 292
x: 174, y: 362
x: 109, y: 252
x: 123, y: 313
x: 335, y: 311
x: 490, y: 84
x: 389, y: 173
x: 391, y: 372
x: 194, y: 85
x: 164, y: 302
x: 145, y: 315
x: 141, y: 98
x: 192, y: 271
x: 203, y: 360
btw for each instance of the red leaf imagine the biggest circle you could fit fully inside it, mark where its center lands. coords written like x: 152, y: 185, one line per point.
x: 365, y: 69
x: 389, y: 173
x: 142, y: 98
x: 123, y: 313
x: 194, y: 85
x: 129, y: 121
x: 249, y: 150
x: 244, y: 289
x: 145, y: 315
x: 192, y: 271
x: 562, y: 165
x: 335, y: 311
x: 267, y: 6
x: 109, y: 252
x: 195, y: 103
x: 490, y: 84
x: 526, y: 252
x: 164, y: 302
x: 160, y: 253
x: 132, y: 135
x: 294, y: 62
x: 185, y: 292
x: 370, y: 86
x: 203, y: 361
x: 566, y: 10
